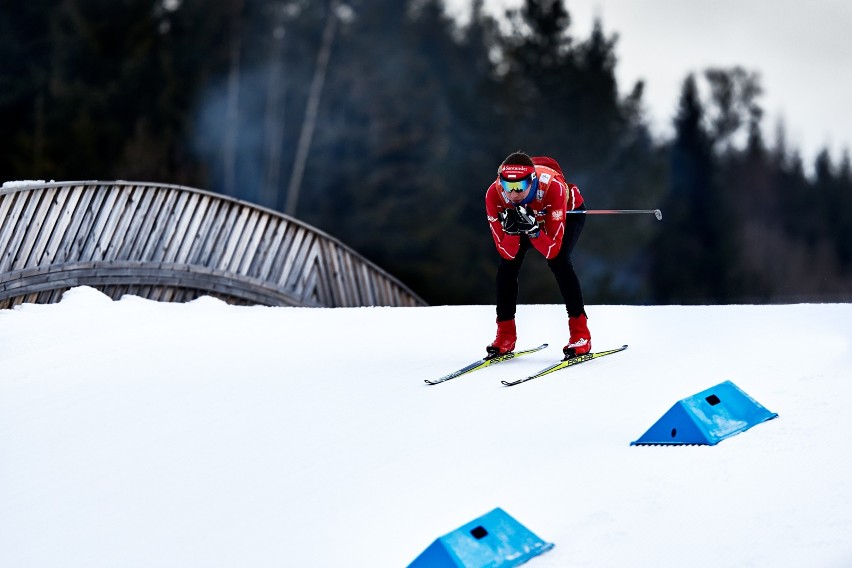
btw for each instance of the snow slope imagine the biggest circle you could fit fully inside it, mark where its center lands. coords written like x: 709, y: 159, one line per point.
x: 134, y: 433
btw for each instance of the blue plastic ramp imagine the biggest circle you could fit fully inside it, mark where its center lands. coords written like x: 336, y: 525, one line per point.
x: 494, y: 540
x: 707, y: 418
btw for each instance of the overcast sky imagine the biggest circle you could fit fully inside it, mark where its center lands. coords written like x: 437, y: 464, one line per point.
x: 802, y: 51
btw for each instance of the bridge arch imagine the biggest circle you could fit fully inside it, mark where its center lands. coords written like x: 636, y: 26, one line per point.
x: 175, y: 243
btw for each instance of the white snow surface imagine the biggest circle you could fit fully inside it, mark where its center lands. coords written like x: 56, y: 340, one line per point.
x: 136, y: 433
x: 21, y: 183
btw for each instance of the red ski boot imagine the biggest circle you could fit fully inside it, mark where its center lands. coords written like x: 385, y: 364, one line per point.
x: 505, y: 341
x: 581, y: 340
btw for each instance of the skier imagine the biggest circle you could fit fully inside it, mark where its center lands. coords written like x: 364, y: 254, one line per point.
x: 526, y: 207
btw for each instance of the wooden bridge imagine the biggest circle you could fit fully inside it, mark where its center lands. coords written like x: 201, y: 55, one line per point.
x: 174, y: 243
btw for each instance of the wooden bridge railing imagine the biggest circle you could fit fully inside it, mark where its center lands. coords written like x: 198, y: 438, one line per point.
x: 174, y: 243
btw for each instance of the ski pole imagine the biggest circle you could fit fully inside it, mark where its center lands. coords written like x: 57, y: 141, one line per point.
x: 657, y: 213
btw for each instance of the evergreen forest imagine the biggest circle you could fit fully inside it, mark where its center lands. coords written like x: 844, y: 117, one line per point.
x: 383, y: 123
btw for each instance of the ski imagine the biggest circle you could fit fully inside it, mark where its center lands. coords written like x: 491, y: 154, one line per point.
x: 482, y: 363
x: 565, y: 363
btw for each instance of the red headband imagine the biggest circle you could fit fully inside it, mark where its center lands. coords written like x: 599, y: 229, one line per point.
x: 512, y: 172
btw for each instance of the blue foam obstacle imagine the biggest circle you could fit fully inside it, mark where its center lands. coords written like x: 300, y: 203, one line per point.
x: 707, y: 418
x: 494, y: 540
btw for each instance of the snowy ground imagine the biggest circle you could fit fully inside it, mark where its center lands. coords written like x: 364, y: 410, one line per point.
x: 141, y: 434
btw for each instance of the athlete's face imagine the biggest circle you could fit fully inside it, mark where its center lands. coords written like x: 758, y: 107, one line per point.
x: 514, y: 197
x: 517, y: 189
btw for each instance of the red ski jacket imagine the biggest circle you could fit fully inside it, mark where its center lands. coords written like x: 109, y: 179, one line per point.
x: 552, y: 199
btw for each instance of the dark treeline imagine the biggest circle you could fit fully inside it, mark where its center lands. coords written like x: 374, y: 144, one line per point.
x: 414, y: 116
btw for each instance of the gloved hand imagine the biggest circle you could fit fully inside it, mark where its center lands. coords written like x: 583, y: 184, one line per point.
x: 527, y: 223
x: 510, y: 220
x: 519, y: 221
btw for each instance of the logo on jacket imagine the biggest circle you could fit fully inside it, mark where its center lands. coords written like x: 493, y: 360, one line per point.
x: 556, y: 215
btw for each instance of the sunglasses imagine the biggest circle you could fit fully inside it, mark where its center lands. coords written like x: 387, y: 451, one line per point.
x: 516, y: 186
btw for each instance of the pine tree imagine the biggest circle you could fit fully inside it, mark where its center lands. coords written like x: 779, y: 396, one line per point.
x: 692, y: 252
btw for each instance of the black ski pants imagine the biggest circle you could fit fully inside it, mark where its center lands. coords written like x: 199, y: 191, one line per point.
x: 560, y: 265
